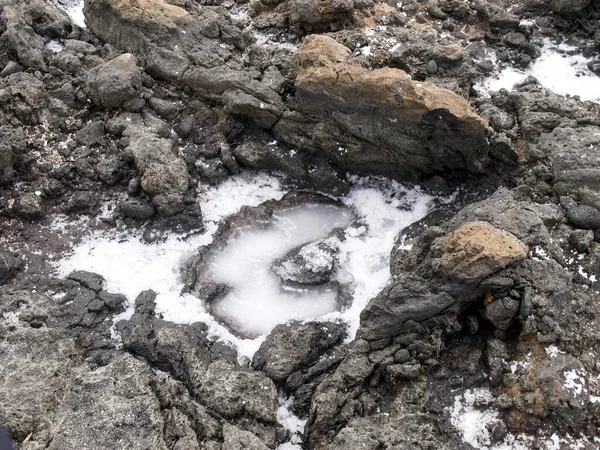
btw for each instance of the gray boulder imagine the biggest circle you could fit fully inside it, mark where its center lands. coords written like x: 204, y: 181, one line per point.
x: 181, y: 350
x: 502, y: 311
x: 114, y: 82
x: 576, y: 169
x: 584, y: 216
x: 12, y: 142
x: 407, y: 305
x: 20, y: 38
x: 236, y: 439
x: 569, y: 7
x: 295, y: 346
x: 136, y: 208
x: 29, y: 206
x: 33, y: 372
x: 29, y: 98
x: 164, y: 175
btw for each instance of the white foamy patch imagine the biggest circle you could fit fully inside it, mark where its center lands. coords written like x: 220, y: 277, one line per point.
x: 471, y: 415
x: 55, y: 46
x: 269, y: 40
x: 556, y: 71
x: 575, y: 381
x: 553, y: 351
x: 11, y: 317
x: 366, y: 51
x: 290, y: 422
x: 257, y: 303
x: 74, y: 9
x: 130, y: 265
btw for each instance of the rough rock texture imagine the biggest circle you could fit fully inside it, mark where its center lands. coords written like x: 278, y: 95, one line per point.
x: 293, y: 347
x: 114, y: 82
x: 132, y: 24
x: 402, y: 306
x: 164, y: 175
x: 575, y: 166
x: 234, y: 392
x: 311, y: 264
x: 379, y: 119
x: 476, y: 250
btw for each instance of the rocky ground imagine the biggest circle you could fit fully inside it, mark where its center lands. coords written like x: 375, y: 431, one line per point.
x: 487, y: 335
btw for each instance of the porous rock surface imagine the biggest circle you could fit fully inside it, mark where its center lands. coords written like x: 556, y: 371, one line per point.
x: 494, y: 295
x: 377, y: 118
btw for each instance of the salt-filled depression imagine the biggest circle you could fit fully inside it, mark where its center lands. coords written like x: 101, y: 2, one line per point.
x: 257, y: 300
x: 366, y: 223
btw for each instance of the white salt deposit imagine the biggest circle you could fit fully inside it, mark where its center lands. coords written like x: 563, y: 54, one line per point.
x: 471, y: 414
x: 55, y: 46
x: 270, y: 40
x: 290, y: 422
x: 257, y: 303
x: 557, y: 71
x: 74, y: 9
x: 382, y: 207
x: 575, y: 381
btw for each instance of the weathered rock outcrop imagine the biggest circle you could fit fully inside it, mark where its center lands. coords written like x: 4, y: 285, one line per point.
x: 115, y: 81
x: 476, y: 250
x: 379, y: 120
x: 292, y: 347
x: 123, y: 387
x: 576, y: 166
x: 164, y: 175
x: 132, y: 24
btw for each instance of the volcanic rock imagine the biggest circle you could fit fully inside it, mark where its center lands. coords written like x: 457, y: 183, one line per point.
x: 115, y: 81
x: 476, y: 250
x: 379, y: 120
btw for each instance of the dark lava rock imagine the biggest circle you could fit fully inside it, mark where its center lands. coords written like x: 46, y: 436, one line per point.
x: 8, y: 267
x: 136, y: 208
x: 29, y: 206
x: 584, y: 216
x: 212, y: 292
x: 82, y: 201
x: 91, y: 134
x: 501, y: 312
x: 90, y: 280
x: 294, y: 346
x: 114, y: 82
x: 582, y: 239
x: 110, y: 169
x: 165, y: 109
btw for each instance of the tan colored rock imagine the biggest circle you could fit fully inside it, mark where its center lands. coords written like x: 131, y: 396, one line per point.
x: 114, y: 82
x: 476, y: 250
x: 131, y: 24
x: 380, y: 120
x: 328, y: 70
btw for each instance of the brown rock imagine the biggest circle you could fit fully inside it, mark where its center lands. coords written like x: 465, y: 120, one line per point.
x: 125, y: 23
x: 380, y: 119
x: 476, y: 250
